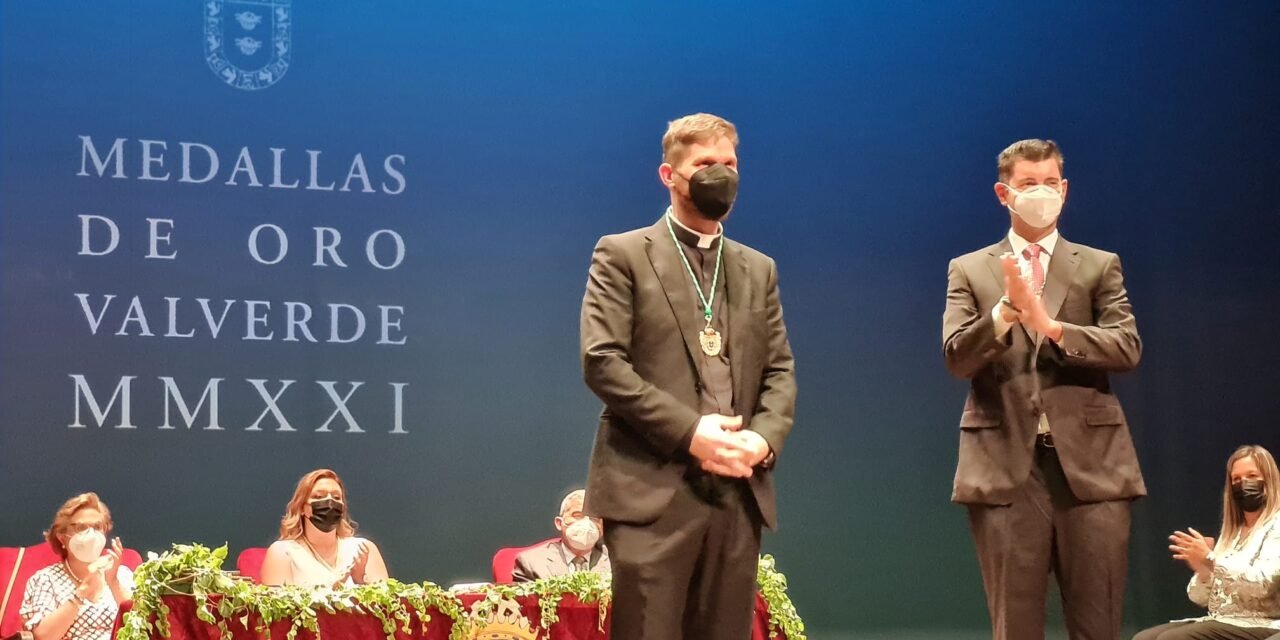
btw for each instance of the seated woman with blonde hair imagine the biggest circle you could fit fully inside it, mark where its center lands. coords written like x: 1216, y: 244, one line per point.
x: 77, y: 599
x: 318, y: 546
x: 1238, y: 577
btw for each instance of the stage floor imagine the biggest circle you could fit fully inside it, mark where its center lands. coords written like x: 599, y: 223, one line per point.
x: 939, y: 634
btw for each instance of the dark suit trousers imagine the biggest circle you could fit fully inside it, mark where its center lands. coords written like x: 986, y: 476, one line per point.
x: 1046, y: 529
x: 691, y: 574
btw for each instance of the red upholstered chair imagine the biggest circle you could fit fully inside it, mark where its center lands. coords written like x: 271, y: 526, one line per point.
x: 131, y: 559
x: 249, y: 563
x: 10, y: 591
x: 34, y: 558
x: 504, y: 561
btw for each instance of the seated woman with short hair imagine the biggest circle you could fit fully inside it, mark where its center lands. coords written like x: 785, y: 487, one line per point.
x: 77, y: 599
x: 1238, y: 578
x: 318, y: 546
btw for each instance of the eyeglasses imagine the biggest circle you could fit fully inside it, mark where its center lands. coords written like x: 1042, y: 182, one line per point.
x: 80, y: 527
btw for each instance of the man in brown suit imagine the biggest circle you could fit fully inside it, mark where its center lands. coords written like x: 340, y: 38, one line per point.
x: 1047, y: 468
x: 683, y: 341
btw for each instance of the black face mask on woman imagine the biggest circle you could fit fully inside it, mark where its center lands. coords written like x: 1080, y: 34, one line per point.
x: 326, y: 514
x: 1249, y: 495
x: 713, y: 189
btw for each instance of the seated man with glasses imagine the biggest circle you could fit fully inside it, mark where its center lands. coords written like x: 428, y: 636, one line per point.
x: 579, y: 547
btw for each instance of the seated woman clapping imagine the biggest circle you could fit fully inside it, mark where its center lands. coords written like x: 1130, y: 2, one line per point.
x: 1238, y: 577
x: 77, y: 599
x: 318, y: 546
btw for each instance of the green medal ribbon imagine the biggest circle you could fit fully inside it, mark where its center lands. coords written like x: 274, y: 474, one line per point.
x: 697, y: 286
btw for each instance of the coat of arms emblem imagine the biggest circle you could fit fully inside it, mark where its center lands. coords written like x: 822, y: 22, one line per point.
x: 504, y: 622
x: 247, y: 42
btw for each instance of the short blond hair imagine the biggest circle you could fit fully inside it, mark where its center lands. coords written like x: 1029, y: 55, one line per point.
x: 62, y: 519
x: 1032, y: 149
x: 699, y: 127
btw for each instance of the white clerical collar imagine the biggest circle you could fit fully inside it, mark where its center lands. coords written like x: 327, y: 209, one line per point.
x: 704, y: 240
x: 1019, y: 243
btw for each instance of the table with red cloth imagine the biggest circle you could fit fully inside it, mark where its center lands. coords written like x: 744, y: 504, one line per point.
x: 578, y: 621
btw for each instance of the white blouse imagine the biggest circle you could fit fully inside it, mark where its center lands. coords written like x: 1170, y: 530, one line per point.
x: 1244, y: 589
x: 308, y: 570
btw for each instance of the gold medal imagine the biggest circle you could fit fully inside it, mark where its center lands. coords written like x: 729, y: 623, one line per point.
x: 710, y: 341
x: 709, y: 338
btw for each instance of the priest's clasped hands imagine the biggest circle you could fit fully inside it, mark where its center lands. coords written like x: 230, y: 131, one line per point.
x: 724, y: 448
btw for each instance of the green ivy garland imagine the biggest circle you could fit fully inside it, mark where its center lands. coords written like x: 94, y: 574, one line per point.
x: 221, y: 598
x: 196, y: 571
x: 782, y: 613
x: 589, y: 587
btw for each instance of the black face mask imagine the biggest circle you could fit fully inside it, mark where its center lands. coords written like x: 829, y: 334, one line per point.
x: 326, y: 514
x: 713, y: 189
x: 1249, y: 495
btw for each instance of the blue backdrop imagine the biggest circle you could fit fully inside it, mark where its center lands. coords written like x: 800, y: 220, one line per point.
x: 499, y: 140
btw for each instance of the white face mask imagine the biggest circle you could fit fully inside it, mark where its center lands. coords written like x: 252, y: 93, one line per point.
x: 1038, y: 206
x: 87, y: 545
x: 582, y: 535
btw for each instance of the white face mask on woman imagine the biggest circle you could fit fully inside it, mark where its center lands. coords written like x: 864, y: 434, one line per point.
x: 582, y: 535
x: 1038, y: 206
x: 87, y: 545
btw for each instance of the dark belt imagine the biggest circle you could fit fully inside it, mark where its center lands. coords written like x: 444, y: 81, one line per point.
x: 1044, y: 440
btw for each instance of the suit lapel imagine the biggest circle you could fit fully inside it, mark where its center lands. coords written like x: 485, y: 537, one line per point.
x: 738, y: 287
x: 675, y: 284
x: 556, y: 560
x: 1062, y: 268
x: 993, y: 260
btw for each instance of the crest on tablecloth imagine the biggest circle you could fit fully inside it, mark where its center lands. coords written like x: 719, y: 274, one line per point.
x: 505, y: 623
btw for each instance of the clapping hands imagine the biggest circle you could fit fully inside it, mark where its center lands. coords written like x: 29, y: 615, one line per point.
x: 1016, y: 287
x: 355, y: 568
x: 111, y: 562
x: 1192, y: 548
x: 1029, y: 308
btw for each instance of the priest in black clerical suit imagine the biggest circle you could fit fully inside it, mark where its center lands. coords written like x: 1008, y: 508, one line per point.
x: 683, y: 340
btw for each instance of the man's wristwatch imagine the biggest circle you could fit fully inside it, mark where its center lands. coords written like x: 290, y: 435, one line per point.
x: 768, y: 461
x: 1004, y: 300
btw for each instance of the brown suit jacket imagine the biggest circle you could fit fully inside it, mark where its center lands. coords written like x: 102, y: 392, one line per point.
x: 640, y: 357
x: 1013, y: 379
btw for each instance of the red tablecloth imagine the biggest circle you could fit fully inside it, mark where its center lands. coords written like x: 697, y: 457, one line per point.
x: 578, y: 621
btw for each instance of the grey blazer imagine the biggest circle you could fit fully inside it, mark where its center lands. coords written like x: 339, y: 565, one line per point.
x: 551, y: 559
x: 640, y: 358
x: 1014, y: 379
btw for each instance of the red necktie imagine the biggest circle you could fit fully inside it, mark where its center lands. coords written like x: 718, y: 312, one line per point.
x: 1032, y: 255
